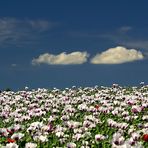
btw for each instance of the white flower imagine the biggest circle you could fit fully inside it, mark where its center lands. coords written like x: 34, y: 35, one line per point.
x: 124, y: 125
x: 36, y: 125
x: 85, y: 143
x: 121, y: 146
x: 30, y: 145
x: 135, y: 136
x: 77, y: 136
x: 118, y: 139
x: 128, y: 118
x: 73, y: 124
x: 11, y: 145
x: 130, y: 143
x: 43, y: 138
x: 145, y: 117
x: 82, y: 107
x: 44, y: 128
x: 60, y: 134
x: 71, y: 145
x: 65, y: 117
x: 78, y: 130
x: 84, y: 146
x: 86, y: 123
x: 4, y: 132
x: 51, y: 118
x: 99, y: 137
x: 131, y: 130
x: 17, y: 127
x: 116, y: 135
x: 62, y: 140
x: 17, y: 136
x: 7, y: 120
x: 59, y: 128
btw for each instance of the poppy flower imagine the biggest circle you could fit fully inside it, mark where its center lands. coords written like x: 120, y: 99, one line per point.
x: 10, y: 140
x: 97, y: 106
x: 145, y: 137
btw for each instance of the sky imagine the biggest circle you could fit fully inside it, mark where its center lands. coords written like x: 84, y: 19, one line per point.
x: 54, y: 43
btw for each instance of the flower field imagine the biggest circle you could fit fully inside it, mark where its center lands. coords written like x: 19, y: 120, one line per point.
x: 90, y: 117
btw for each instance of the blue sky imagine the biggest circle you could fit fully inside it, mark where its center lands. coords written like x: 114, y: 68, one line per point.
x: 46, y: 43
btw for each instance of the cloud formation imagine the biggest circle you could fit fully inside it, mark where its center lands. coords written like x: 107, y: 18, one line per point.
x: 122, y: 36
x: 62, y: 58
x: 18, y: 31
x: 13, y: 65
x: 125, y: 29
x: 117, y: 55
x: 136, y: 43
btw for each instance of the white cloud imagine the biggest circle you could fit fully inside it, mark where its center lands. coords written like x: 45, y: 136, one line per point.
x: 136, y: 43
x: 62, y: 58
x: 41, y: 25
x: 17, y: 31
x: 13, y: 65
x: 125, y: 29
x: 117, y: 55
x: 120, y: 36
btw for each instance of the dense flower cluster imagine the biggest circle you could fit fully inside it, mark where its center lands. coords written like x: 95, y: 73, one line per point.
x: 75, y: 117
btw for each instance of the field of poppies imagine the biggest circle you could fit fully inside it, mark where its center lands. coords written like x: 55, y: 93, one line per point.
x: 90, y: 117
